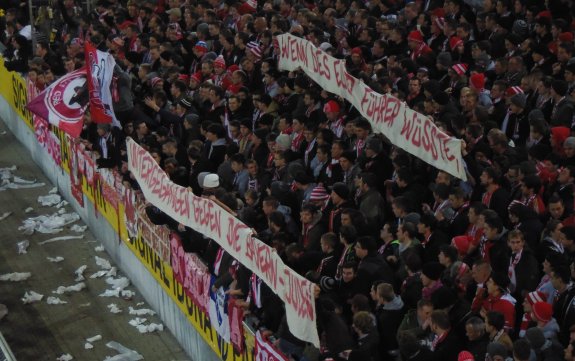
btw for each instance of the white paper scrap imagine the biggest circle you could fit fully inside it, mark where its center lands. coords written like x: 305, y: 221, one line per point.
x: 137, y: 321
x: 102, y: 263
x: 5, y: 215
x: 152, y: 327
x: 31, y: 297
x: 88, y: 346
x: 74, y: 288
x: 28, y: 210
x: 99, y: 248
x: 80, y: 273
x: 55, y: 259
x: 142, y: 311
x: 94, y: 338
x: 65, y: 357
x: 49, y: 200
x: 78, y: 229
x: 55, y: 301
x: 99, y: 274
x: 63, y: 238
x: 125, y: 354
x: 53, y: 190
x: 15, y: 276
x: 23, y: 246
x: 114, y: 308
x: 118, y: 283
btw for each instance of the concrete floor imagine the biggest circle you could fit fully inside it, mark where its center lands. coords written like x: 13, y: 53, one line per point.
x: 40, y: 331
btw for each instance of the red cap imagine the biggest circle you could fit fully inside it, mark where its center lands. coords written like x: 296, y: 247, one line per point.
x: 460, y: 68
x: 477, y: 80
x: 440, y: 22
x: 233, y: 68
x: 534, y: 297
x: 220, y: 62
x: 512, y: 90
x: 566, y: 37
x: 155, y: 80
x: 197, y: 77
x: 465, y: 356
x: 331, y: 107
x: 461, y: 243
x: 439, y: 12
x: 125, y: 24
x: 357, y: 51
x: 543, y: 311
x: 415, y: 36
x: 454, y: 42
x: 183, y: 77
x: 544, y: 14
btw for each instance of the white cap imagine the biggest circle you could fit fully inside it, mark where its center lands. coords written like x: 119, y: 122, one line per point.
x: 325, y: 46
x: 211, y: 181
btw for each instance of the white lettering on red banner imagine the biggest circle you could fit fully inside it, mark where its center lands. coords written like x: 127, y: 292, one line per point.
x: 403, y: 126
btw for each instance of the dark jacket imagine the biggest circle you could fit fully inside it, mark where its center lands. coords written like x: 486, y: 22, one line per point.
x: 389, y: 317
x: 563, y: 112
x: 449, y: 348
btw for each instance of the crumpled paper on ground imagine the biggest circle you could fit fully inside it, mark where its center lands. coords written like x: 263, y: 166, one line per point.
x: 125, y: 294
x: 23, y: 246
x: 53, y: 190
x: 5, y: 215
x: 141, y: 311
x: 78, y: 228
x: 99, y: 248
x: 99, y: 274
x: 114, y: 308
x: 102, y: 263
x: 80, y: 273
x: 28, y: 210
x: 15, y: 276
x: 118, y: 283
x: 125, y: 354
x: 74, y: 288
x: 49, y: 200
x: 94, y: 338
x: 55, y: 259
x: 65, y: 357
x: 137, y: 321
x: 55, y: 301
x: 48, y: 224
x: 63, y: 238
x: 31, y: 297
x: 88, y: 346
x: 152, y: 327
x: 16, y: 182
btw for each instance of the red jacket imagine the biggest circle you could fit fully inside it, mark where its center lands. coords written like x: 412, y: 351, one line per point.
x: 504, y: 305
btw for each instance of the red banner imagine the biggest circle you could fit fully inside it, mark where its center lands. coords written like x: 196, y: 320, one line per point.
x: 236, y: 316
x: 191, y: 272
x: 265, y: 351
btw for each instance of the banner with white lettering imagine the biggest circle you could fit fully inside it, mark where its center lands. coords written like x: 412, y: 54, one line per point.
x: 265, y: 351
x: 404, y: 127
x: 236, y: 238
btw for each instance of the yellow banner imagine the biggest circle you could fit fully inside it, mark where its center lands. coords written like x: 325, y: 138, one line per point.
x: 13, y: 88
x: 162, y: 272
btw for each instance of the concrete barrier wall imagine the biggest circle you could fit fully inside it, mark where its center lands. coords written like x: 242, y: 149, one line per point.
x: 172, y: 316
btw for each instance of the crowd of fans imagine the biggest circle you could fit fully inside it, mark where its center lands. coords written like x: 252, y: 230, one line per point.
x: 410, y: 262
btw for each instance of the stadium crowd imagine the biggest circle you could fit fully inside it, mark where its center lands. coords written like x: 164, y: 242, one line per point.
x: 410, y: 262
